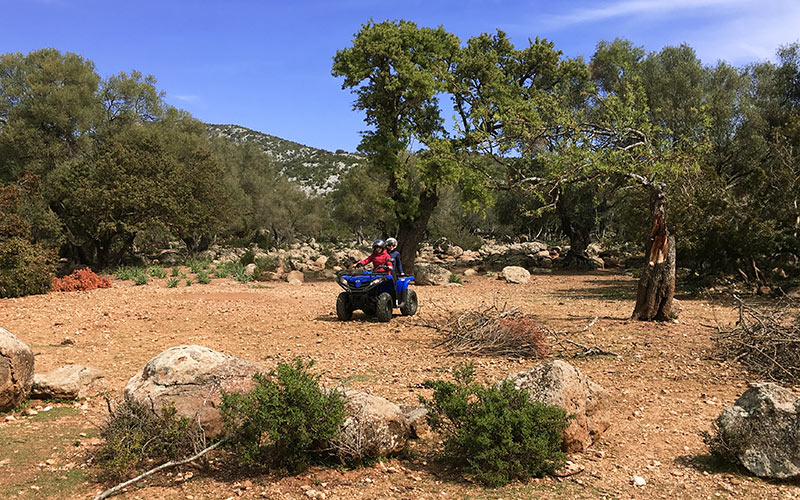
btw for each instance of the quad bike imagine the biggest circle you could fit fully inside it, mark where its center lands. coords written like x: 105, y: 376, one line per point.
x: 375, y: 293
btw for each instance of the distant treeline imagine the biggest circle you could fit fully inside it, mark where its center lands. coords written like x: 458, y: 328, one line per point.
x: 94, y: 169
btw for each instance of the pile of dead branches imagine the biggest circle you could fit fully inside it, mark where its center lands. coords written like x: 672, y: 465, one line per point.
x: 766, y: 340
x: 491, y: 331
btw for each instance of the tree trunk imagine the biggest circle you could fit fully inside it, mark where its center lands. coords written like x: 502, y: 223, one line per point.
x: 657, y: 284
x: 411, y: 230
x: 577, y: 229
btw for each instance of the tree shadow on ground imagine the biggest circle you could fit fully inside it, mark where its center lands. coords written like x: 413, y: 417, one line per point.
x: 608, y: 289
x: 357, y: 318
x: 710, y: 464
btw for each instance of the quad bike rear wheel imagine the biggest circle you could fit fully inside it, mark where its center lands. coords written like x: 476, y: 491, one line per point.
x: 344, y: 311
x: 410, y: 304
x: 384, y: 307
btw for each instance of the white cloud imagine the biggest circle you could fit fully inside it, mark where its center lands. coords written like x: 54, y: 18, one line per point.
x: 631, y: 8
x: 754, y: 35
x: 186, y: 97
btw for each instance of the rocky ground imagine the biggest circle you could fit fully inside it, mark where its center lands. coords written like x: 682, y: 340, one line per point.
x: 665, y: 386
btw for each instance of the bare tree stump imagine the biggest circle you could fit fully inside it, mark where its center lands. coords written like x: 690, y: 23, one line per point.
x: 657, y: 284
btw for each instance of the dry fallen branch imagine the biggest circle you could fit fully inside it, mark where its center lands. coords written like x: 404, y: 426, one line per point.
x: 766, y: 340
x: 490, y: 331
x: 174, y: 463
x: 584, y: 351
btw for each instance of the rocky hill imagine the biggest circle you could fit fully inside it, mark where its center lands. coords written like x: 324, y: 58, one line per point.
x: 317, y: 170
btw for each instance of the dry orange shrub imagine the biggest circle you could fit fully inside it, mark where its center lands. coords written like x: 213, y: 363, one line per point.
x: 80, y: 280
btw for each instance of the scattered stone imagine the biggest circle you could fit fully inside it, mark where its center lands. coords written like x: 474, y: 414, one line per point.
x: 761, y: 431
x: 560, y: 384
x: 373, y: 427
x: 470, y: 272
x: 295, y: 278
x: 192, y: 378
x: 250, y: 269
x: 16, y: 370
x: 638, y: 481
x: 68, y: 382
x: 431, y: 274
x: 30, y: 412
x: 515, y: 274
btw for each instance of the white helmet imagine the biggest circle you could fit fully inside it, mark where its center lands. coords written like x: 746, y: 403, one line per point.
x: 391, y: 241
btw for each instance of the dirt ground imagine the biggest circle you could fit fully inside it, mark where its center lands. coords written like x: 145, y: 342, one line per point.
x: 665, y: 386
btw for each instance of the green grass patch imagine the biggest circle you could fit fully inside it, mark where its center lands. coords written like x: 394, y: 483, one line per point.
x: 131, y: 273
x: 157, y: 272
x: 172, y: 283
x: 55, y: 414
x: 197, y: 265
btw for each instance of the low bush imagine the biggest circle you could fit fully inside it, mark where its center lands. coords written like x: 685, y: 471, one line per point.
x: 264, y: 267
x: 203, y: 278
x: 197, y: 265
x: 80, y: 280
x: 172, y: 283
x: 234, y: 269
x: 249, y: 257
x: 136, y: 434
x: 128, y: 273
x: 454, y: 278
x: 158, y: 272
x: 175, y: 272
x: 287, y: 420
x: 495, y: 433
x: 25, y: 268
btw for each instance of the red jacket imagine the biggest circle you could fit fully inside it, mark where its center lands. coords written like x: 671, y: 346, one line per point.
x: 382, y: 261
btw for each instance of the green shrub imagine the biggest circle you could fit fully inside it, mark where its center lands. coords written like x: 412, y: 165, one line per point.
x: 221, y: 272
x: 495, y: 433
x: 172, y: 283
x: 203, y: 278
x: 265, y: 266
x: 188, y: 282
x: 249, y: 257
x: 286, y: 420
x: 131, y: 273
x: 175, y: 272
x: 197, y: 265
x: 158, y: 272
x: 136, y: 435
x: 454, y: 278
x: 140, y: 279
x: 25, y: 268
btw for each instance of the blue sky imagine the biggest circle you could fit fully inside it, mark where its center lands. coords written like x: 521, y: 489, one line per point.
x: 266, y: 65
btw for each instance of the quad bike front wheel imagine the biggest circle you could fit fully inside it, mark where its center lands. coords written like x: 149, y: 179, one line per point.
x: 344, y: 311
x: 409, y: 307
x: 384, y: 308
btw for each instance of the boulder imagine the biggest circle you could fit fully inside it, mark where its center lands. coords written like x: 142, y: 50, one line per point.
x: 431, y: 274
x: 455, y: 251
x: 295, y: 278
x: 373, y: 427
x: 515, y: 274
x: 470, y: 272
x: 250, y: 269
x: 560, y: 384
x: 169, y: 257
x: 16, y: 370
x: 191, y: 378
x: 762, y: 431
x: 319, y: 263
x: 68, y: 382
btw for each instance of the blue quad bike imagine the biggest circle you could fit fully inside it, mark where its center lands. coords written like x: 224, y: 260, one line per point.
x: 377, y: 294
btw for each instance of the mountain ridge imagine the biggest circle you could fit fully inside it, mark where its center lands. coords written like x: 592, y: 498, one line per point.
x: 316, y: 170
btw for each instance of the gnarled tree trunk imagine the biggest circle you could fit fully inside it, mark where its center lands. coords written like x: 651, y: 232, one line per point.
x: 411, y: 230
x: 657, y: 284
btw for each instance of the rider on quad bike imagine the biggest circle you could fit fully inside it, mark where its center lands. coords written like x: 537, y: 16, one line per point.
x: 381, y: 261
